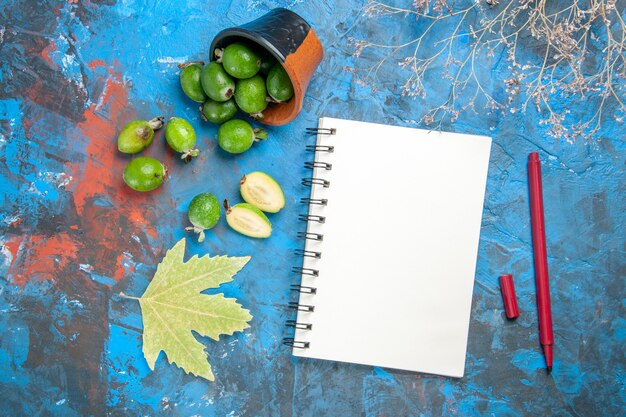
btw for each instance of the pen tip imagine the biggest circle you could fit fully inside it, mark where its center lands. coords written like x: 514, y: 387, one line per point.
x: 549, y: 369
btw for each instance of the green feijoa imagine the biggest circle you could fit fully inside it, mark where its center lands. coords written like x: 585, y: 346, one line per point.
x: 219, y: 112
x: 251, y: 95
x: 278, y: 84
x: 237, y: 136
x: 248, y: 220
x: 262, y: 191
x: 216, y: 82
x: 267, y: 62
x: 239, y: 60
x: 190, y: 81
x: 138, y: 134
x: 144, y: 173
x: 204, y: 213
x: 181, y: 137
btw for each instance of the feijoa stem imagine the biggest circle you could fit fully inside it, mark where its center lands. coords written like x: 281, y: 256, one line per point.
x: 243, y: 180
x: 143, y: 132
x: 189, y: 154
x: 260, y: 134
x: 156, y: 123
x: 197, y: 230
x: 187, y: 64
x: 218, y: 54
x: 227, y: 207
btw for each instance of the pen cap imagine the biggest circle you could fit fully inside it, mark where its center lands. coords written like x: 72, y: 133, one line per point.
x: 508, y: 295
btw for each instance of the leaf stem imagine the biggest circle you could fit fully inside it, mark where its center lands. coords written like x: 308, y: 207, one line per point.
x: 129, y: 297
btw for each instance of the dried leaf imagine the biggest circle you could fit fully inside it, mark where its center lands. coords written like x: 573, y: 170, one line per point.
x: 172, y: 306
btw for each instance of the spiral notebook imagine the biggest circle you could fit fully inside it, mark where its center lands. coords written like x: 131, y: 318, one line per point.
x: 392, y: 233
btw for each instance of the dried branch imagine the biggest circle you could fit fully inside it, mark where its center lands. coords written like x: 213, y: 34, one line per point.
x: 554, y: 50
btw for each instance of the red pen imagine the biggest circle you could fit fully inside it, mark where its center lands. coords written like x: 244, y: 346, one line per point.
x: 541, y: 258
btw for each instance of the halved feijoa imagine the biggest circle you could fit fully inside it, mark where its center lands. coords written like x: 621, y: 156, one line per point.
x: 262, y: 191
x: 248, y: 220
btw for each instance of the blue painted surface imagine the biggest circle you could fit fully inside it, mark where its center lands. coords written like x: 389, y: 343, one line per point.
x: 73, y: 73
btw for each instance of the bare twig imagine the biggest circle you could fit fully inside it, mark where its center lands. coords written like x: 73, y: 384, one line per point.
x: 577, y: 51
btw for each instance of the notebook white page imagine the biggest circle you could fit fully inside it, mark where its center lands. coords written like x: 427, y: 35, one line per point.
x: 399, y: 251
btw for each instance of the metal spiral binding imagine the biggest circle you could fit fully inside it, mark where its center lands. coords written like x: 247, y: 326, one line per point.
x: 311, y: 218
x: 301, y: 307
x: 295, y: 325
x: 309, y: 182
x: 321, y: 131
x: 307, y: 253
x: 305, y: 271
x: 319, y: 148
x: 289, y: 341
x: 304, y: 253
x: 310, y: 236
x: 318, y: 164
x: 318, y: 201
x: 303, y: 289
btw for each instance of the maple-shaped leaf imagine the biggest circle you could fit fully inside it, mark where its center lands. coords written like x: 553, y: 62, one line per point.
x: 172, y: 306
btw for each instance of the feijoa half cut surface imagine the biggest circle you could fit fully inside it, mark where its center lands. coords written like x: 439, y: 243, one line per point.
x: 262, y: 191
x: 248, y: 220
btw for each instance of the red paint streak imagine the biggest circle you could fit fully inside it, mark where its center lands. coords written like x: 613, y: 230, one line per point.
x: 27, y: 125
x: 120, y: 270
x: 100, y: 177
x: 108, y: 212
x: 45, y: 53
x: 15, y: 223
x: 96, y: 63
x: 102, y: 172
x: 136, y: 216
x: 41, y: 257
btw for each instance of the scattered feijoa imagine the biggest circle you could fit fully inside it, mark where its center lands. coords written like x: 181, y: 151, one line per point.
x: 248, y: 220
x: 262, y: 191
x: 204, y: 213
x: 239, y: 60
x: 138, y: 134
x: 219, y: 111
x: 237, y: 136
x: 278, y: 84
x: 190, y: 81
x: 144, y: 174
x: 181, y: 137
x: 251, y: 95
x: 216, y: 82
